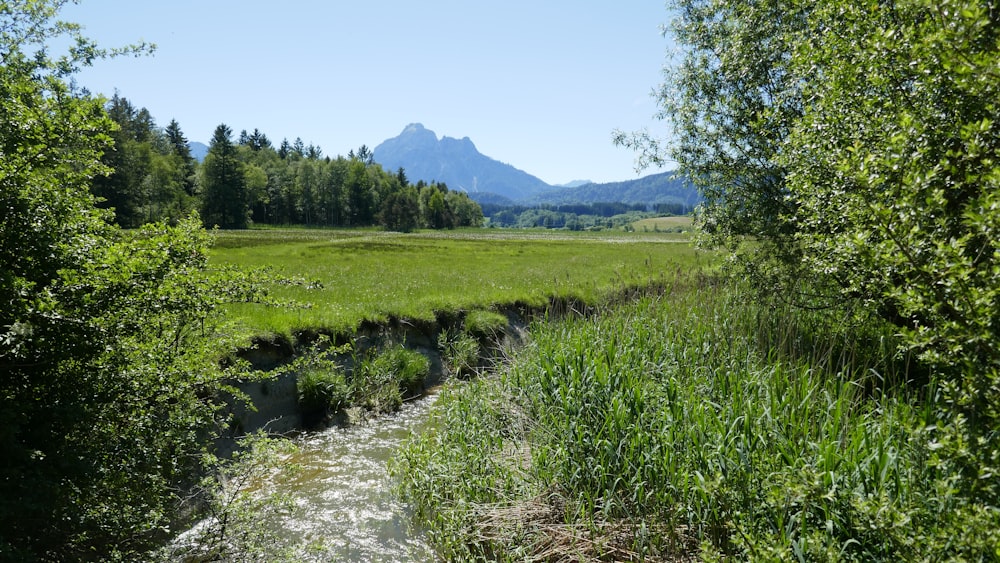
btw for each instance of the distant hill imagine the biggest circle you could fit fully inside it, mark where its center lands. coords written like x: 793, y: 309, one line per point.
x: 198, y: 150
x: 457, y: 163
x: 653, y: 189
x: 486, y: 198
x: 573, y: 184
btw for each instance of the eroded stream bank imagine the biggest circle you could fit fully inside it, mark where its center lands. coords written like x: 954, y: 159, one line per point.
x: 344, y: 505
x: 275, y: 400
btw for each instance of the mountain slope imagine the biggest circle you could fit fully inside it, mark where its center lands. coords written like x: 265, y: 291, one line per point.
x: 653, y: 189
x: 457, y: 163
x: 198, y: 150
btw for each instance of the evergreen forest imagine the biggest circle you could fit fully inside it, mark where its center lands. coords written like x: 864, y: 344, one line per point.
x: 246, y: 180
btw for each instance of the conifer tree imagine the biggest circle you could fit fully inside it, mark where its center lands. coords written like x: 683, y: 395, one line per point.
x: 182, y: 151
x: 225, y: 202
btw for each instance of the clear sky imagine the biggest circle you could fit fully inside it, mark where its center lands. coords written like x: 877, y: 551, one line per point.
x: 539, y: 84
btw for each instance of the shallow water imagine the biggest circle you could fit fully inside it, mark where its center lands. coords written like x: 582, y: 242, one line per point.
x: 345, y: 508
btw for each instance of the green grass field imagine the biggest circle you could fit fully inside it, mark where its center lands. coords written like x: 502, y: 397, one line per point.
x: 348, y: 276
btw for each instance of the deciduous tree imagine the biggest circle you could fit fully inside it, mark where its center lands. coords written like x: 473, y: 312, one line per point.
x: 105, y: 383
x: 895, y: 170
x: 858, y: 144
x: 732, y: 100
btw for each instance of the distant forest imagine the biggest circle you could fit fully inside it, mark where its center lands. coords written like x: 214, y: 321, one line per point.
x: 576, y: 216
x: 153, y: 176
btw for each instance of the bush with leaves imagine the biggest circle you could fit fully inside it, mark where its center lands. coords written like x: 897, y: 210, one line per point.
x: 108, y: 374
x: 895, y: 169
x: 855, y: 151
x: 237, y: 496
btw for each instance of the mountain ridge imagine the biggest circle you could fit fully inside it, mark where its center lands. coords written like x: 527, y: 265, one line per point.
x: 455, y: 162
x: 655, y: 189
x: 460, y: 165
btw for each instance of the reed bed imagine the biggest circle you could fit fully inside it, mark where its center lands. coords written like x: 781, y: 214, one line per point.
x: 697, y: 425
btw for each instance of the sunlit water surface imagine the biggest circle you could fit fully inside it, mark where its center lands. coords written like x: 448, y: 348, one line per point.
x: 345, y: 509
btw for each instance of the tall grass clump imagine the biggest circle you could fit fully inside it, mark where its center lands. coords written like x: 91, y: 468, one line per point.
x: 460, y: 352
x: 378, y: 380
x: 322, y: 391
x: 407, y: 368
x: 699, y: 424
x: 322, y: 384
x: 383, y: 380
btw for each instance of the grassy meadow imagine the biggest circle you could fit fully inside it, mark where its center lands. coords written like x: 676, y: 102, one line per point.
x: 339, y: 278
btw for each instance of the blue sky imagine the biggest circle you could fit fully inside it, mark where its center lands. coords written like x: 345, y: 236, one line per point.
x: 539, y: 84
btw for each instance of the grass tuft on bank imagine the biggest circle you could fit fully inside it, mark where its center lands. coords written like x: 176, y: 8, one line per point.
x: 697, y: 425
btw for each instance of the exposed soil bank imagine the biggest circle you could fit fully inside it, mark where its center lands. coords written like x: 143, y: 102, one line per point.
x: 275, y: 407
x: 275, y: 400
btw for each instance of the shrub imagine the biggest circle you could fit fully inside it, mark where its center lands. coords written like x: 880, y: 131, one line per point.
x: 237, y: 501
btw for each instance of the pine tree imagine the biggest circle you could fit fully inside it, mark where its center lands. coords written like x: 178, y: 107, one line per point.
x: 259, y: 141
x: 225, y: 202
x: 130, y: 162
x: 182, y: 151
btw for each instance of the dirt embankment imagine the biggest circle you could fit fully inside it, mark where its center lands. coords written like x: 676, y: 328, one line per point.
x: 274, y: 400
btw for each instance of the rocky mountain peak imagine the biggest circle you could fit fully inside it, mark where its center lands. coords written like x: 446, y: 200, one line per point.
x: 456, y: 162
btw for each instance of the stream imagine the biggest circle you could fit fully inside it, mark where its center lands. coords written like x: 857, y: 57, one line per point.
x: 344, y: 506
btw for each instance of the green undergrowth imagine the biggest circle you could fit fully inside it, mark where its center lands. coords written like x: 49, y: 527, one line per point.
x: 390, y: 377
x: 378, y: 379
x: 696, y: 425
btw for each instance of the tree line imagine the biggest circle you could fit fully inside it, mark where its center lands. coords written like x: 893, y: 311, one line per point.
x: 576, y: 216
x: 243, y: 181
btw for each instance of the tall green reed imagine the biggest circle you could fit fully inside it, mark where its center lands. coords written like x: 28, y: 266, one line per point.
x: 700, y: 422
